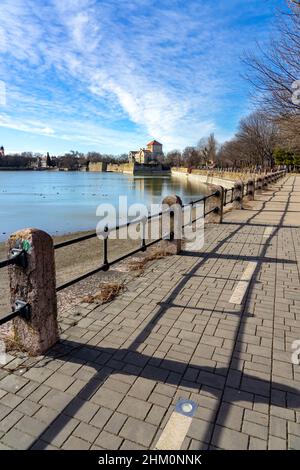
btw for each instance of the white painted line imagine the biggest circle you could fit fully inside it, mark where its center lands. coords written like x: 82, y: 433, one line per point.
x: 242, y: 286
x: 174, y: 433
x: 268, y: 232
x: 249, y: 271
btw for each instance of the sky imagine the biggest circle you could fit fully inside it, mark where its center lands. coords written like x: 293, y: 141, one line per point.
x: 110, y: 75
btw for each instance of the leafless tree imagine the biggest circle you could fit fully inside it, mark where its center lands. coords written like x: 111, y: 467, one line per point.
x: 253, y: 144
x: 275, y: 72
x: 208, y: 149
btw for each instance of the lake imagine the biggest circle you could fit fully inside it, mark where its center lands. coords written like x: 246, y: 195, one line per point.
x: 65, y: 202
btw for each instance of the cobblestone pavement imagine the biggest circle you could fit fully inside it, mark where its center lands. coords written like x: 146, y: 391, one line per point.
x: 178, y: 332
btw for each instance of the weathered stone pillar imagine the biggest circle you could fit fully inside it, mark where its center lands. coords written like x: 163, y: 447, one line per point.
x: 265, y: 182
x: 172, y: 223
x: 238, y: 195
x: 259, y: 185
x: 215, y: 202
x: 251, y: 189
x: 36, y: 286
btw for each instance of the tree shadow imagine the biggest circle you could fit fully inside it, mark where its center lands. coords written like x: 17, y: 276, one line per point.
x: 128, y: 361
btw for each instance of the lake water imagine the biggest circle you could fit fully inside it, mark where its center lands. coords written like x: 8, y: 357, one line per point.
x: 64, y: 202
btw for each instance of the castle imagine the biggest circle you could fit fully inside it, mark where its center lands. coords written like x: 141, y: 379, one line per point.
x: 150, y: 154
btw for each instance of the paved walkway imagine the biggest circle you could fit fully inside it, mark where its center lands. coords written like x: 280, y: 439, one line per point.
x: 178, y: 332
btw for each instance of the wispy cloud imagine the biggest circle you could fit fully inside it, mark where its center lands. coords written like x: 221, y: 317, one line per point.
x: 126, y: 69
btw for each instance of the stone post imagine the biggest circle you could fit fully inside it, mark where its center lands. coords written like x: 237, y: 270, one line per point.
x: 35, y: 285
x: 251, y: 189
x: 265, y: 182
x: 172, y: 223
x: 238, y: 195
x: 259, y: 185
x: 215, y: 202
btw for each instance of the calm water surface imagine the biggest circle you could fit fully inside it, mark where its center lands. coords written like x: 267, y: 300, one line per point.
x: 64, y: 202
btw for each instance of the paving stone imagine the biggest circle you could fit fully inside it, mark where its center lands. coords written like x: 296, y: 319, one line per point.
x: 107, y: 398
x: 115, y: 423
x: 278, y: 427
x: 108, y: 441
x: 12, y: 383
x: 59, y: 381
x: 18, y: 439
x: 294, y: 442
x: 138, y: 431
x: 38, y: 374
x: 74, y: 443
x: 200, y: 430
x: 160, y: 400
x: 255, y: 417
x: 4, y: 411
x: 257, y: 444
x: 81, y: 409
x: 47, y: 415
x: 294, y: 428
x: 255, y: 430
x: 129, y: 445
x: 156, y: 415
x: 11, y: 400
x: 28, y: 407
x: 59, y: 431
x: 275, y: 443
x: 134, y: 407
x: 230, y: 416
x: 31, y: 426
x: 10, y: 420
x: 101, y: 417
x: 224, y: 438
x: 86, y: 432
x: 141, y: 388
x: 56, y: 399
x: 42, y: 445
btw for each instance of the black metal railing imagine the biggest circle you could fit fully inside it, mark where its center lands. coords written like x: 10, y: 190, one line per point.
x: 19, y: 256
x: 106, y: 264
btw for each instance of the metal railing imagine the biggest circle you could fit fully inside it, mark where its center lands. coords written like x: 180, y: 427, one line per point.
x: 18, y: 256
x: 106, y: 264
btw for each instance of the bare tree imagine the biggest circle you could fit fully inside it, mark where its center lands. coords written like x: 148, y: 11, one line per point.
x: 253, y: 144
x: 208, y: 149
x: 275, y: 72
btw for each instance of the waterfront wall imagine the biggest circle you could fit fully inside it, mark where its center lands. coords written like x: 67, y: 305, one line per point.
x: 223, y: 178
x: 97, y: 166
x: 138, y: 169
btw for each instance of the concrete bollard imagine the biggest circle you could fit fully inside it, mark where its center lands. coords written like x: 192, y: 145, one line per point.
x: 238, y: 195
x: 251, y: 189
x: 215, y: 202
x: 172, y: 223
x: 35, y: 285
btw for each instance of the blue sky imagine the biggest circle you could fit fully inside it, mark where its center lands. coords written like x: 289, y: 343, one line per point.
x: 108, y: 75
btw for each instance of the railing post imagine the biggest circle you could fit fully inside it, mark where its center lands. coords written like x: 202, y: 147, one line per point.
x: 251, y: 189
x: 216, y: 202
x: 35, y: 285
x: 265, y: 182
x: 172, y: 223
x: 238, y: 195
x: 259, y: 185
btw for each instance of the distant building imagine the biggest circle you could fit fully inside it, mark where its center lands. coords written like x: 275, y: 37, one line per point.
x: 150, y: 154
x: 2, y: 152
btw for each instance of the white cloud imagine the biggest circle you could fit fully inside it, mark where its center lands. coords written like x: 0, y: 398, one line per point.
x: 163, y: 69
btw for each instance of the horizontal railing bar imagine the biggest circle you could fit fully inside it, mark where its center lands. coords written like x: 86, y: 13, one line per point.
x: 6, y: 262
x: 104, y: 267
x: 9, y: 317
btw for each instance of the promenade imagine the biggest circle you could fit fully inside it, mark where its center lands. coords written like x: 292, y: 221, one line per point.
x: 214, y: 326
